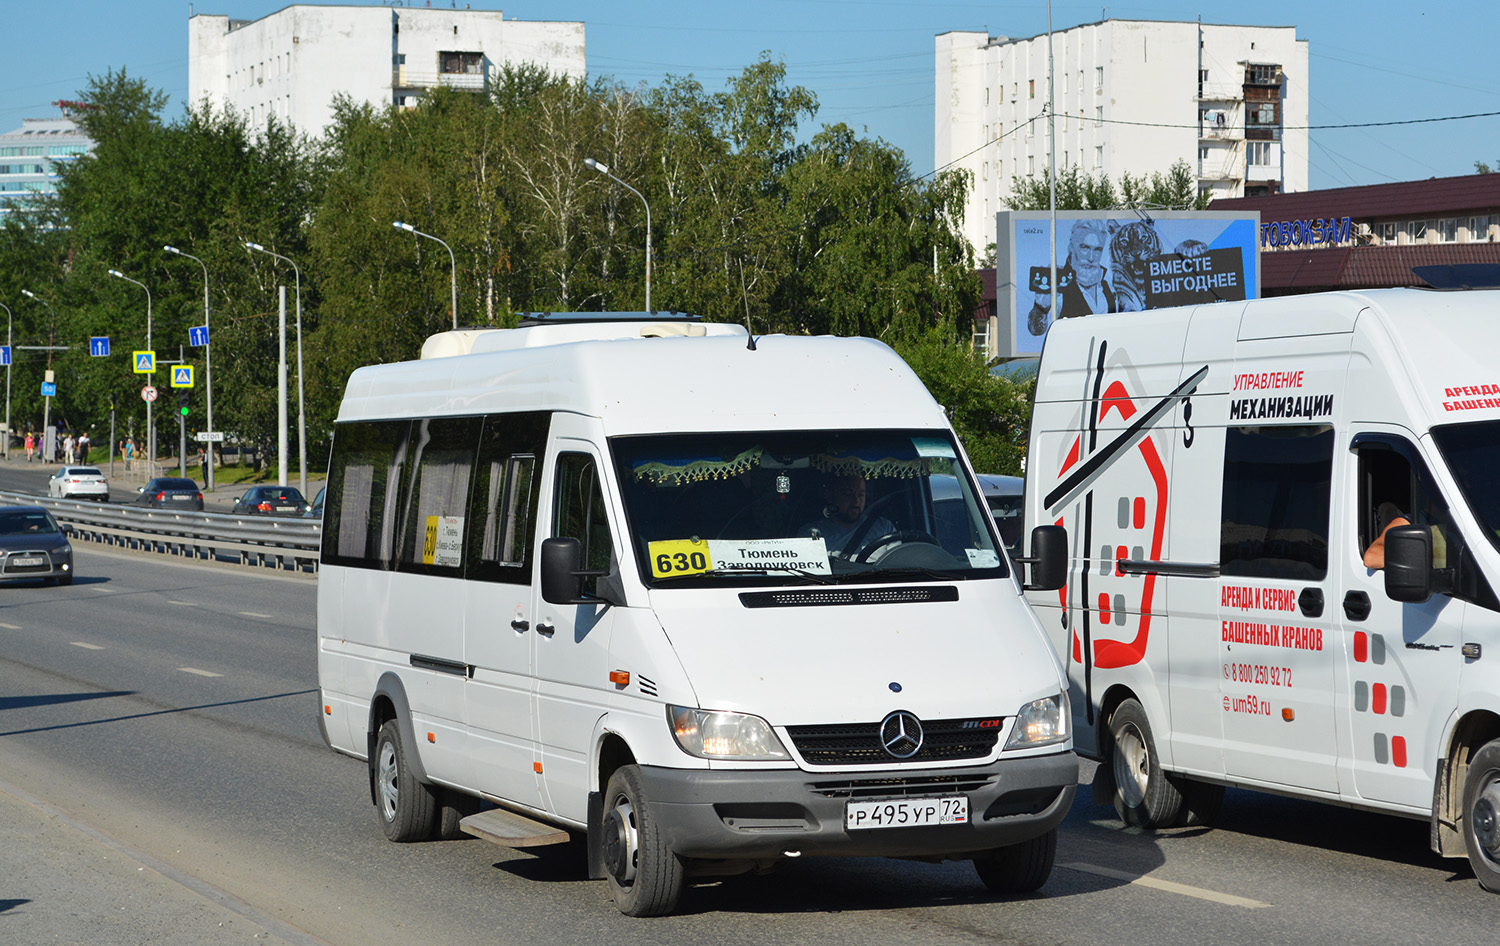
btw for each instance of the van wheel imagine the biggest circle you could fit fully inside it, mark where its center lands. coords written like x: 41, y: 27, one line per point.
x: 1144, y: 797
x: 644, y: 874
x: 1019, y: 868
x: 1482, y: 815
x: 454, y: 807
x: 408, y: 808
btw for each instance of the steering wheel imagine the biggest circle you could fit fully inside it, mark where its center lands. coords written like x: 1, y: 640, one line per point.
x: 868, y: 549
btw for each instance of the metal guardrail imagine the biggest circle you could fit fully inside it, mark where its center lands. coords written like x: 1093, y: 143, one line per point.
x: 265, y: 541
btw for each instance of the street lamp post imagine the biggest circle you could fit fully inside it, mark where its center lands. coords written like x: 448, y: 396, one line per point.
x: 46, y: 401
x: 301, y: 414
x: 604, y: 169
x: 150, y: 430
x: 9, y: 324
x: 451, y: 261
x: 208, y: 364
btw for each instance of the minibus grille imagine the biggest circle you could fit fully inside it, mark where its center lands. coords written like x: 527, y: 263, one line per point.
x: 806, y: 597
x: 943, y: 740
x: 897, y: 787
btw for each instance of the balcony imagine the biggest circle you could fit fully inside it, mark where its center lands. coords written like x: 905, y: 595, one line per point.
x: 404, y: 78
x: 1220, y: 92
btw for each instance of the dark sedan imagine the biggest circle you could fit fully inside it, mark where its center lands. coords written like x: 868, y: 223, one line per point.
x: 170, y: 492
x: 270, y: 501
x: 32, y: 545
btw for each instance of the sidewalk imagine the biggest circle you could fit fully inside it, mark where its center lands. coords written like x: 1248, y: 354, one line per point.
x: 64, y: 883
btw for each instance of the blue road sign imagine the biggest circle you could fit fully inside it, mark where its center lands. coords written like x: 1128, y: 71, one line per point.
x: 182, y: 376
x: 49, y: 389
x: 99, y: 346
x: 198, y: 335
x: 4, y: 356
x: 145, y: 362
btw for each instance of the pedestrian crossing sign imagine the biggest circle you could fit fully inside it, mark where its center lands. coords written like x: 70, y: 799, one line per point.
x: 182, y: 376
x: 145, y: 362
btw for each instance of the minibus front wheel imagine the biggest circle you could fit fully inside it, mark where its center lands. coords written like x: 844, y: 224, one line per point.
x: 1019, y: 868
x: 644, y: 874
x: 1482, y: 815
x: 408, y: 808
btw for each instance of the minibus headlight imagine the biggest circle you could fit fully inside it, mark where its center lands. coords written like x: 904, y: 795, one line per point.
x: 711, y: 735
x: 1040, y: 723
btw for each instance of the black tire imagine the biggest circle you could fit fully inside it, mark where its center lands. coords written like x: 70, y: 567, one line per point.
x: 644, y: 875
x: 65, y: 580
x: 1020, y: 868
x: 1481, y: 815
x: 407, y: 807
x: 1144, y: 796
x: 454, y: 807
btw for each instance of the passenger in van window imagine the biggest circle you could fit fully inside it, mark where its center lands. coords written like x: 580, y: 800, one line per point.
x: 1387, y: 516
x: 844, y: 526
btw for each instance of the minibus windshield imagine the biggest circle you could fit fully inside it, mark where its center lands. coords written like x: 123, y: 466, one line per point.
x: 1472, y: 452
x: 803, y: 507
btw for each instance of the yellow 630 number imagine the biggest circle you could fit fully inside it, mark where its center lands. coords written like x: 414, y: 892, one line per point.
x: 679, y: 557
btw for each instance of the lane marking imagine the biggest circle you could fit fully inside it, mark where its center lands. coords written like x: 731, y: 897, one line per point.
x: 9, y: 627
x: 201, y: 673
x: 185, y: 604
x: 1227, y: 899
x: 87, y: 646
x: 248, y: 614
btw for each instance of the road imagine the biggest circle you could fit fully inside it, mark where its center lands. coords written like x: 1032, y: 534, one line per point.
x: 16, y: 475
x: 159, y: 756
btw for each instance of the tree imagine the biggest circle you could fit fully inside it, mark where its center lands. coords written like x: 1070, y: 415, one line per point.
x: 1177, y: 189
x: 991, y: 414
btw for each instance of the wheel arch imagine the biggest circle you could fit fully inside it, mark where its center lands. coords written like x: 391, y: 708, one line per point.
x: 1473, y: 730
x: 387, y: 703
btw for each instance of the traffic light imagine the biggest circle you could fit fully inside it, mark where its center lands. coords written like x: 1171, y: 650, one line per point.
x: 184, y: 403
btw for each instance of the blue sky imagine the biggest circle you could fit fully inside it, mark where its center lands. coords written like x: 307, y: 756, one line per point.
x: 870, y: 62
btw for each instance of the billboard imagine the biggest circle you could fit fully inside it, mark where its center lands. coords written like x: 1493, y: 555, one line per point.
x: 1117, y: 261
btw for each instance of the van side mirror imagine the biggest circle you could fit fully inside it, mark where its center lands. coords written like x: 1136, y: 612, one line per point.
x: 1408, y: 564
x: 562, y: 559
x: 1049, y: 558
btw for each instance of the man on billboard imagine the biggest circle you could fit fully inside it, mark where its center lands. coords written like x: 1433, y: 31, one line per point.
x: 1082, y: 286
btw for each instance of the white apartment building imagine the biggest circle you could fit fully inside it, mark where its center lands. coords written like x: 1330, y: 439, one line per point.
x: 30, y: 156
x: 293, y: 62
x: 1133, y: 96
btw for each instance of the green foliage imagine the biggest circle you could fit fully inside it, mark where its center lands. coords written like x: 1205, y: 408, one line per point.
x: 1481, y: 167
x: 1177, y: 189
x: 990, y: 413
x: 830, y: 235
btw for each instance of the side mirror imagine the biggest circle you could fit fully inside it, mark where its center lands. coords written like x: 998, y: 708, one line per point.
x: 140, y: 489
x: 1408, y: 564
x: 562, y: 559
x: 1049, y: 558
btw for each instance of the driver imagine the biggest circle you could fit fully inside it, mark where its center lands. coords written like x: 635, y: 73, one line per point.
x: 844, y: 527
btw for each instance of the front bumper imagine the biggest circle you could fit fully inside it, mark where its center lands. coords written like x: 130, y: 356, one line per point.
x: 772, y: 813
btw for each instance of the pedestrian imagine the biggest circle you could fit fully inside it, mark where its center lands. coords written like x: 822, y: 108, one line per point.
x: 129, y: 453
x: 69, y: 444
x: 30, y: 445
x: 83, y: 447
x: 203, y: 464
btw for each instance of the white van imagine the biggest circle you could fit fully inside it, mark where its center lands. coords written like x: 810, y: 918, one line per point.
x: 586, y: 571
x: 1222, y: 471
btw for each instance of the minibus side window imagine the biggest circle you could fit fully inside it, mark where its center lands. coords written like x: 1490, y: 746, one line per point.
x: 441, y: 455
x: 503, y: 504
x: 580, y: 512
x: 1275, y: 513
x: 364, y: 487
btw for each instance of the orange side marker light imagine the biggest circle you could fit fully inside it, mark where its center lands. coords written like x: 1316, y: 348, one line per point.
x: 432, y: 737
x: 1288, y: 714
x: 620, y: 678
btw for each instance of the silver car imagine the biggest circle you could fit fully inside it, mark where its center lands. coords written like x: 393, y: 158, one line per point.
x: 78, y: 482
x: 32, y: 545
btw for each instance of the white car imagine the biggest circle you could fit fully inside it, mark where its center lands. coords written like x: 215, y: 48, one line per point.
x: 78, y: 482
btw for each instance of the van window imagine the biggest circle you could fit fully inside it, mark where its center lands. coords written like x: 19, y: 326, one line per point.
x: 363, y: 496
x: 1277, y: 482
x: 505, y: 496
x: 441, y: 460
x: 580, y: 513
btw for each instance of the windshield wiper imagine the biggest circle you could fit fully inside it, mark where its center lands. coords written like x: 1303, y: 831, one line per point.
x: 758, y: 569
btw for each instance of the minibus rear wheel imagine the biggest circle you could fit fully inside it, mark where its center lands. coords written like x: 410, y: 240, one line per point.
x: 408, y: 808
x: 1144, y: 797
x: 1482, y: 815
x: 1019, y: 868
x: 644, y: 874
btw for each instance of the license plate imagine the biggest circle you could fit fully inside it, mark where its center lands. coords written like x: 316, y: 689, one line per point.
x: 906, y: 812
x: 182, y: 499
x: 22, y: 561
x: 286, y: 508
